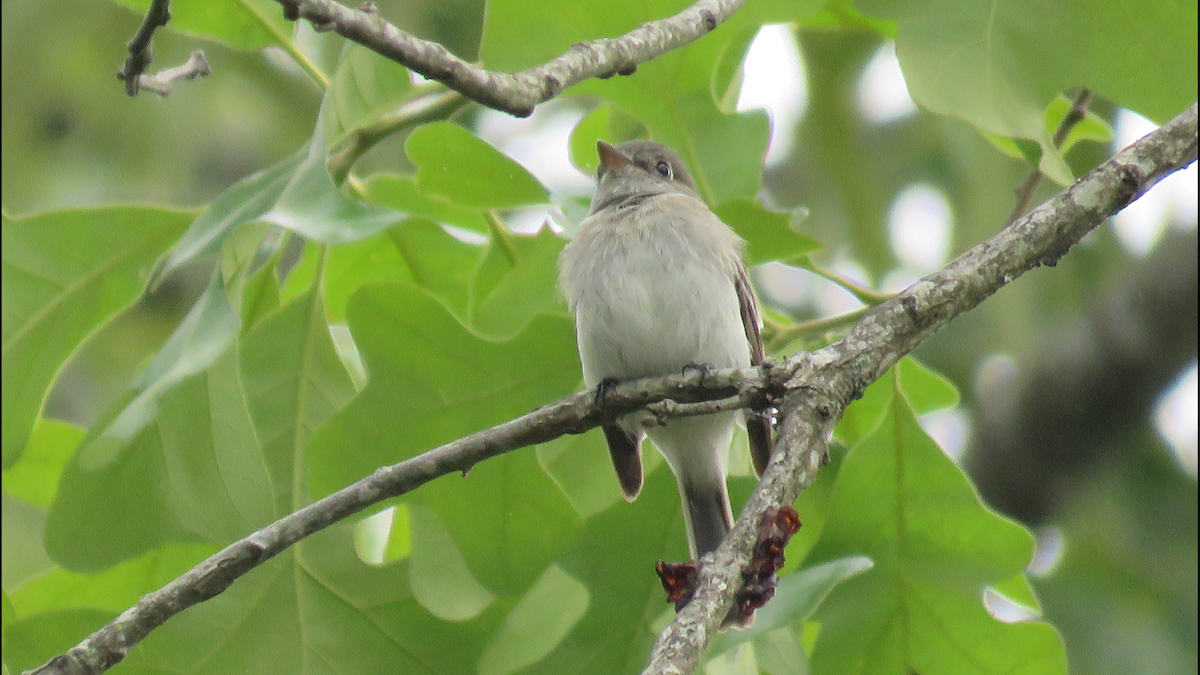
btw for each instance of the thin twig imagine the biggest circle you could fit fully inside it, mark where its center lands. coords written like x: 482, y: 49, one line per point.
x: 515, y: 93
x: 1025, y: 190
x: 160, y: 82
x: 141, y: 49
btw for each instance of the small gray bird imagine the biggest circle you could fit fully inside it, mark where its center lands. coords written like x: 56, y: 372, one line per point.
x: 657, y: 284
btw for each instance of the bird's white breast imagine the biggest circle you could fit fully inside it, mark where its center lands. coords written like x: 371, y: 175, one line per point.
x: 653, y: 290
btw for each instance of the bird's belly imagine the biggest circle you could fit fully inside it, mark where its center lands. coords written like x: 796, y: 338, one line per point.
x: 648, y: 322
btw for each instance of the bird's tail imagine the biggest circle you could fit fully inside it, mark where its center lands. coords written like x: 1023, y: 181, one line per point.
x: 708, y: 516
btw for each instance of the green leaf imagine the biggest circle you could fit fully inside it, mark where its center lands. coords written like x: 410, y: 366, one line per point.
x: 768, y: 234
x: 32, y: 641
x: 433, y: 381
x: 402, y: 193
x: 455, y: 165
x: 536, y: 624
x: 1090, y: 128
x: 196, y: 470
x: 507, y: 517
x: 200, y: 338
x: 313, y: 206
x: 317, y: 602
x: 113, y: 590
x: 365, y: 87
x: 903, y: 503
x: 614, y: 559
x: 34, y: 478
x: 582, y: 142
x: 294, y: 382
x: 243, y: 202
x: 582, y: 469
x: 998, y: 65
x: 671, y: 95
x: 440, y: 578
x: 516, y: 281
x: 66, y: 274
x: 415, y: 250
x: 241, y: 24
x: 925, y: 390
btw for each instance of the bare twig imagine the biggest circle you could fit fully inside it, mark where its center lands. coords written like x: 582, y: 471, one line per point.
x: 160, y: 82
x: 1025, y: 190
x: 515, y: 93
x: 812, y: 391
x: 141, y: 49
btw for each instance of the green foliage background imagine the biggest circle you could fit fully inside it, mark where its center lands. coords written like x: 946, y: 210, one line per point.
x: 242, y: 335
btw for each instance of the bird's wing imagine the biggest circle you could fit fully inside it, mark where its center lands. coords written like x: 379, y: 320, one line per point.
x: 758, y: 422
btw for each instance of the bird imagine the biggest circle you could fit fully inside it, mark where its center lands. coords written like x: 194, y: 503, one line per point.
x: 657, y: 284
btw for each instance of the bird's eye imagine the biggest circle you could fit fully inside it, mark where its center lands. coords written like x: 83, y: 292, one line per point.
x: 663, y: 170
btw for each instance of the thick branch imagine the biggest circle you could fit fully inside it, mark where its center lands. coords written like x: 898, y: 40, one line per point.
x: 813, y: 389
x: 515, y: 93
x: 834, y: 376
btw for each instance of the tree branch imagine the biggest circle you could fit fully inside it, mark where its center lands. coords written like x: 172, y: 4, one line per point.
x: 827, y: 380
x: 812, y: 391
x: 141, y: 53
x: 515, y: 93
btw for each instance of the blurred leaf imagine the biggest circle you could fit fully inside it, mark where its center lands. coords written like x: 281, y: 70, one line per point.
x: 507, y: 517
x: 115, y: 589
x: 1092, y: 128
x: 925, y: 390
x: 768, y: 234
x: 34, y: 478
x: 183, y: 476
x: 998, y: 66
x: 935, y: 548
x: 293, y: 381
x: 433, y: 381
x: 537, y: 623
x: 580, y: 466
x: 781, y: 653
x: 316, y: 601
x: 455, y: 165
x: 1018, y: 590
x: 65, y: 275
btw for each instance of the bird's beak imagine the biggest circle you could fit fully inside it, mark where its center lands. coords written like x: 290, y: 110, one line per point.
x: 610, y: 157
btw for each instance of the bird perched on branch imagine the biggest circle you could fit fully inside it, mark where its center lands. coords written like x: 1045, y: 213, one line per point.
x: 657, y: 284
